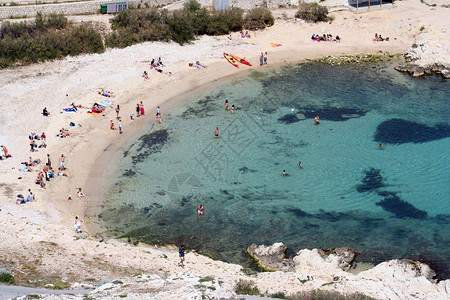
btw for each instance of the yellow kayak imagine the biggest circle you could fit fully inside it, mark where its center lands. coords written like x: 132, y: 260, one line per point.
x: 231, y: 60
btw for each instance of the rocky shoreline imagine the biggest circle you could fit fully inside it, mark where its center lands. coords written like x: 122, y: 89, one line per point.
x: 427, y: 56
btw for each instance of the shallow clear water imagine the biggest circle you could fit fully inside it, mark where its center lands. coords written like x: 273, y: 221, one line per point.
x: 389, y: 202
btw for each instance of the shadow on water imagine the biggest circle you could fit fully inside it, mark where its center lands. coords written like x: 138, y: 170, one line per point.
x: 399, y: 131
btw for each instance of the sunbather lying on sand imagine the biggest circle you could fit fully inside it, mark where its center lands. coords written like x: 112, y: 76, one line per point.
x: 63, y: 132
x: 106, y: 93
x: 199, y: 64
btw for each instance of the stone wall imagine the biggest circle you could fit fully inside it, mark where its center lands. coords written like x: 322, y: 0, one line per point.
x: 72, y: 8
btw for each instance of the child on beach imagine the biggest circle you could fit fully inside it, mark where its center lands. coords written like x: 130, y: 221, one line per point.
x: 112, y: 125
x: 158, y: 116
x: 80, y: 193
x: 120, y: 126
x: 145, y: 76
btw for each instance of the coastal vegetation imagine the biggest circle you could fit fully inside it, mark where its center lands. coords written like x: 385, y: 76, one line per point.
x: 6, y: 277
x: 53, y: 37
x: 322, y: 295
x: 183, y: 25
x: 312, y: 12
x: 46, y: 38
x: 246, y: 287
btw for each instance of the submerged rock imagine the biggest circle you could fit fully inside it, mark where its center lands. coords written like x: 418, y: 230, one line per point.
x: 399, y: 207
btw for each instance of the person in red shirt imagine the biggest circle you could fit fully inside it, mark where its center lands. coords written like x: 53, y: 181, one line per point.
x: 43, y: 140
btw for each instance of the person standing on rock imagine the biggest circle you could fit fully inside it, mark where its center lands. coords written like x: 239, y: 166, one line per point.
x: 181, y: 255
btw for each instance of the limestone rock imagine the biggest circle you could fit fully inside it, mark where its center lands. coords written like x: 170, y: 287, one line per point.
x: 271, y: 257
x: 428, y: 56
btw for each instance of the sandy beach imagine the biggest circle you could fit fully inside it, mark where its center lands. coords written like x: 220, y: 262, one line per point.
x: 39, y: 245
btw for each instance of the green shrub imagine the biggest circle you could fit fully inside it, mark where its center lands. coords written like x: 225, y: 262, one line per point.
x: 6, y: 278
x: 45, y: 38
x: 181, y: 26
x: 258, y: 18
x: 192, y: 5
x: 312, y: 12
x: 328, y: 295
x: 246, y: 287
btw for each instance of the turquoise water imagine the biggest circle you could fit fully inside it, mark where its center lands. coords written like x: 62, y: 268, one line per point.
x: 389, y: 202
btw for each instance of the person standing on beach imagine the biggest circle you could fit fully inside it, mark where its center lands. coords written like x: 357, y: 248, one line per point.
x: 265, y: 58
x: 181, y: 255
x: 261, y: 59
x: 49, y: 160
x: 77, y: 226
x: 43, y: 137
x: 120, y: 126
x: 138, y: 110
x: 117, y: 111
x: 158, y: 116
x: 142, y: 108
x: 62, y: 162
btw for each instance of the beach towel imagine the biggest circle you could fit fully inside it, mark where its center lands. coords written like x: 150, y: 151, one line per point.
x: 93, y: 113
x: 69, y: 109
x: 107, y: 102
x: 275, y: 45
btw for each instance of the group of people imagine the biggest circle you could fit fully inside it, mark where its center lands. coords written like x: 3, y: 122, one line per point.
x: 379, y: 38
x: 22, y: 200
x: 140, y: 111
x: 227, y: 107
x: 157, y: 65
x: 245, y: 35
x: 263, y: 58
x: 33, y: 137
x: 325, y: 38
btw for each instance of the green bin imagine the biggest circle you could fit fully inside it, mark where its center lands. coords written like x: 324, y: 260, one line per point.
x: 104, y: 8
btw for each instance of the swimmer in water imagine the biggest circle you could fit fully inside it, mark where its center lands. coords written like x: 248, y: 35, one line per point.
x: 284, y: 173
x: 300, y: 164
x: 200, y: 210
x: 381, y: 145
x: 227, y: 106
x: 232, y: 109
x: 316, y: 119
x: 216, y: 132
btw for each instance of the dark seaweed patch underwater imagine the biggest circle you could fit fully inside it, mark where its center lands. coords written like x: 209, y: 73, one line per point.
x: 399, y: 131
